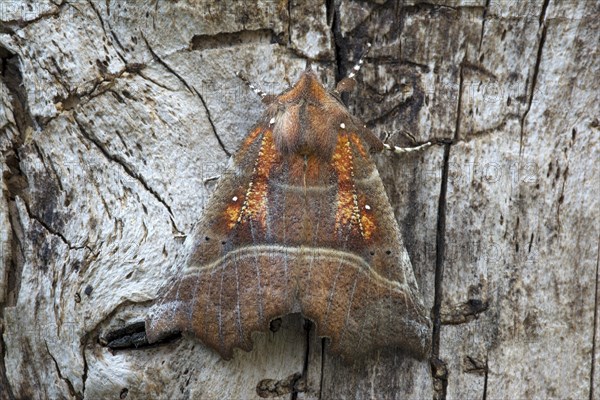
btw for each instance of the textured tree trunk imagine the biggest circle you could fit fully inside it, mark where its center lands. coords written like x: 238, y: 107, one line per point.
x: 118, y: 117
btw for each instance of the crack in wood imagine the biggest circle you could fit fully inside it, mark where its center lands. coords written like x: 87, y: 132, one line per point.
x: 336, y: 33
x: 595, y: 331
x: 483, y: 19
x: 439, y: 376
x: 191, y: 89
x: 12, y: 77
x: 308, y: 327
x: 126, y: 168
x: 485, y: 379
x: 474, y: 365
x: 212, y: 124
x: 72, y: 390
x: 53, y: 231
x: 536, y: 70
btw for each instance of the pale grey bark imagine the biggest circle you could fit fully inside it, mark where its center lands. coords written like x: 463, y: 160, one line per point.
x: 116, y: 116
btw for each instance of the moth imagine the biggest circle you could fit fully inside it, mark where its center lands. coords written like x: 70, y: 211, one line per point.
x: 299, y: 223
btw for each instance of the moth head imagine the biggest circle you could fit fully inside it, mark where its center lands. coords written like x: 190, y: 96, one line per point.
x: 307, y: 119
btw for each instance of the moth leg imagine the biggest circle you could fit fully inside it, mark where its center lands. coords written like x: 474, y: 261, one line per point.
x: 347, y: 84
x: 266, y: 98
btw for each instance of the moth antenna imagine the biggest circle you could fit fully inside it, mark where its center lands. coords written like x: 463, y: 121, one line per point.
x: 265, y: 97
x: 360, y: 62
x: 403, y: 150
x: 347, y: 84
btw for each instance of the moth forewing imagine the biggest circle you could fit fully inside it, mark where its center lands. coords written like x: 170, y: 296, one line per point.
x: 300, y: 223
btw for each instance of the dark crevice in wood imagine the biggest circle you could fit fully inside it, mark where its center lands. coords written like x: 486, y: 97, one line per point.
x: 129, y: 337
x: 212, y: 124
x: 97, y: 12
x: 390, y: 60
x: 483, y: 19
x: 329, y: 10
x: 48, y: 165
x: 474, y: 365
x: 289, y: 23
x: 543, y: 13
x: 129, y: 330
x: 13, y: 79
x: 438, y: 366
x: 536, y: 70
x: 138, y: 340
x: 16, y: 184
x: 84, y: 375
x: 53, y: 231
x: 485, y: 380
x: 132, y: 336
x: 93, y: 6
x: 461, y: 77
x: 159, y: 84
x: 478, y: 68
x: 232, y: 39
x: 595, y: 324
x: 14, y: 256
x: 191, y: 89
x: 72, y: 390
x: 5, y: 388
x: 126, y: 168
x: 561, y: 196
x: 308, y: 328
x: 13, y: 251
x: 95, y: 331
x: 336, y: 33
x: 322, y: 368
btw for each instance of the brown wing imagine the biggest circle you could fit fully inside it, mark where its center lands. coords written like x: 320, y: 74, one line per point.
x: 297, y: 234
x: 355, y: 281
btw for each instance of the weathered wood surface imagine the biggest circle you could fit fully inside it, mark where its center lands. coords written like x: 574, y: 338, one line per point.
x: 116, y: 115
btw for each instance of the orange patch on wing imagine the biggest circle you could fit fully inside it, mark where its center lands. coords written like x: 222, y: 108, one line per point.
x: 255, y: 201
x: 359, y: 146
x: 368, y: 225
x: 367, y: 218
x: 248, y: 141
x: 233, y: 210
x: 347, y: 207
